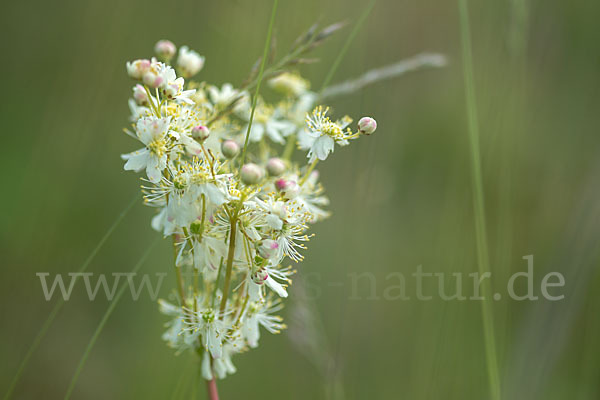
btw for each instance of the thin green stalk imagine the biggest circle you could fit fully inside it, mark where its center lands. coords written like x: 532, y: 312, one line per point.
x: 346, y: 45
x: 214, y: 294
x: 107, y: 315
x: 229, y: 265
x: 289, y: 147
x: 483, y: 261
x: 61, y: 302
x: 178, y: 276
x: 308, y: 171
x: 258, y: 82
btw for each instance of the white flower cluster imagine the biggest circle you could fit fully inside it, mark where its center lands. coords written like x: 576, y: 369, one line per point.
x: 234, y: 213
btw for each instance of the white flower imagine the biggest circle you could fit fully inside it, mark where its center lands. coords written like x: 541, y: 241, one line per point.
x: 189, y: 62
x: 152, y: 132
x: 222, y: 366
x: 172, y: 86
x: 276, y: 212
x: 287, y: 222
x: 323, y: 134
x: 266, y: 274
x: 281, y: 275
x: 162, y: 223
x: 212, y: 329
x: 270, y: 122
x: 190, y: 193
x: 311, y: 199
x: 232, y: 221
x: 224, y: 96
x: 137, y: 111
x: 260, y: 314
x: 208, y: 253
x: 276, y: 287
x: 176, y: 336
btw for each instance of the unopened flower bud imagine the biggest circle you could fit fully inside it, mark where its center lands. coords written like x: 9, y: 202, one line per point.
x: 280, y: 184
x: 251, y: 173
x: 367, y: 125
x: 152, y: 80
x: 230, y: 149
x: 268, y: 248
x: 200, y: 132
x: 275, y: 166
x: 189, y: 62
x: 259, y: 276
x: 136, y: 69
x: 289, y: 189
x: 165, y: 49
x: 139, y: 95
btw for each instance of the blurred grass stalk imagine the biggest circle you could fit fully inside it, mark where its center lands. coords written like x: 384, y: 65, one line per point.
x: 483, y: 260
x: 423, y: 60
x: 61, y: 302
x: 104, y: 319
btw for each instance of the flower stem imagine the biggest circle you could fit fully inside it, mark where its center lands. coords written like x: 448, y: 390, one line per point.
x: 308, y: 171
x: 288, y: 151
x: 211, y: 387
x: 229, y: 264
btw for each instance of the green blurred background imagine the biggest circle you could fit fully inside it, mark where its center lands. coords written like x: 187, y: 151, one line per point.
x: 400, y: 198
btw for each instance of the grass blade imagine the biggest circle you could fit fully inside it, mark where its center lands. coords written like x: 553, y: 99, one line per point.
x: 260, y: 76
x: 107, y: 315
x: 483, y: 260
x: 346, y: 45
x: 61, y: 302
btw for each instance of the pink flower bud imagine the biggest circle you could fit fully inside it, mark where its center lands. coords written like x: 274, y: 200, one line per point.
x: 275, y: 167
x: 139, y: 95
x: 259, y: 276
x: 136, y: 69
x: 367, y: 125
x: 268, y: 249
x: 289, y: 189
x: 165, y: 49
x: 280, y: 184
x: 230, y: 149
x: 200, y: 132
x: 251, y: 173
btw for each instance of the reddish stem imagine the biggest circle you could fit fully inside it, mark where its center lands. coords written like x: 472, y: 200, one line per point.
x: 211, y: 386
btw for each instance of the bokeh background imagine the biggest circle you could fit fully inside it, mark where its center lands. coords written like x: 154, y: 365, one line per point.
x: 400, y: 198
